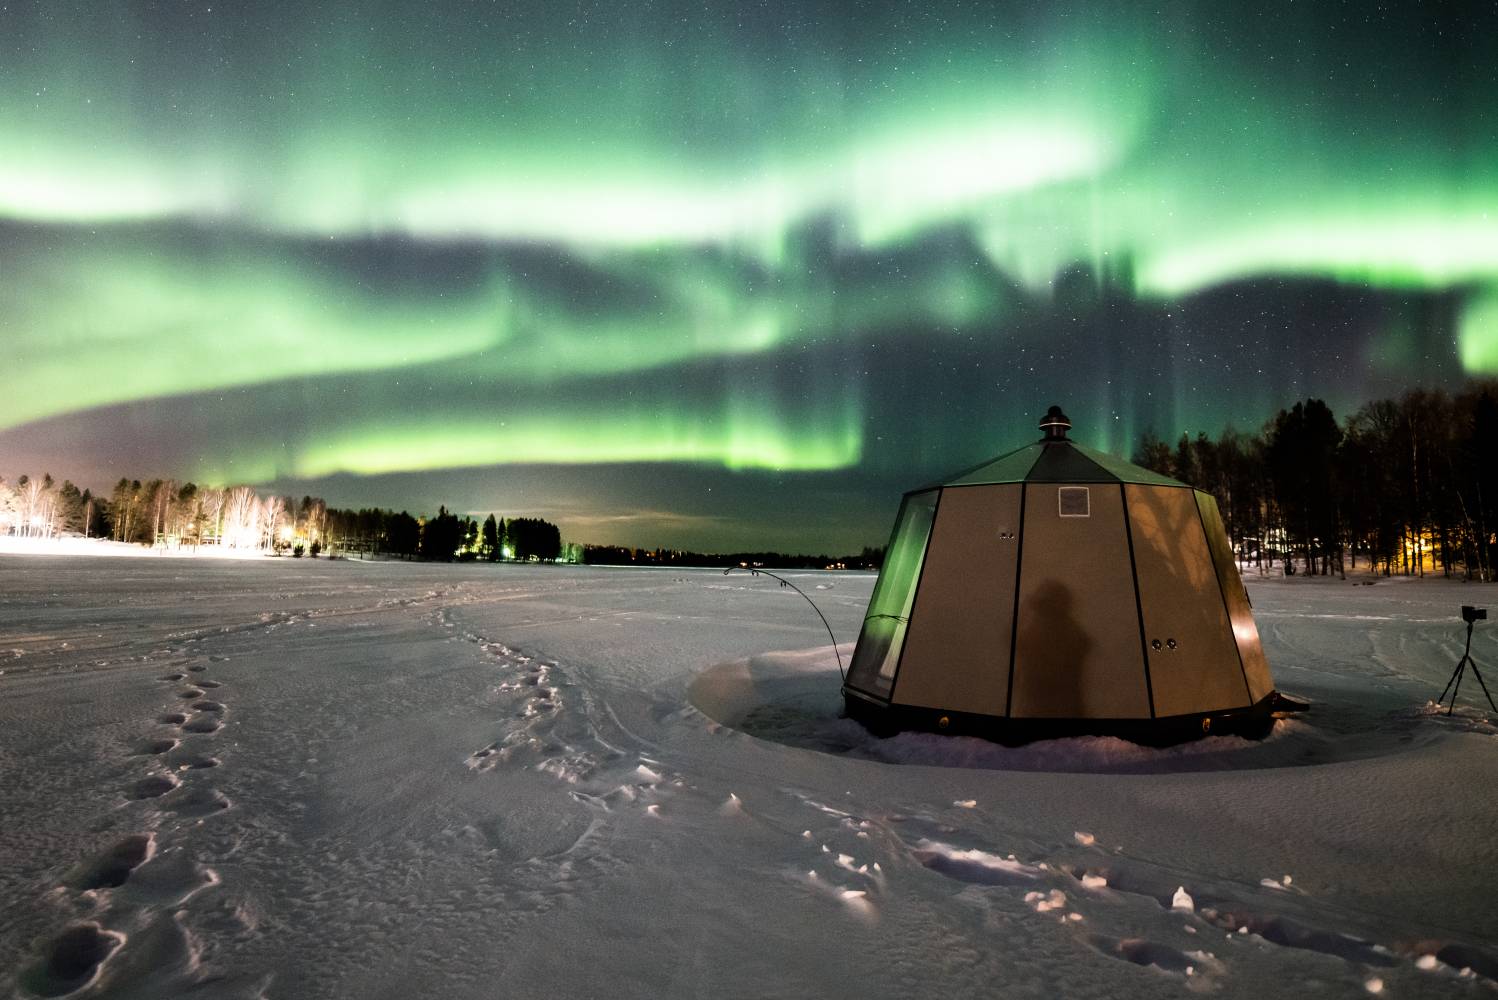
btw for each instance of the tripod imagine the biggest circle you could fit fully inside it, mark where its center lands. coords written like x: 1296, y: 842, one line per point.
x: 1456, y: 678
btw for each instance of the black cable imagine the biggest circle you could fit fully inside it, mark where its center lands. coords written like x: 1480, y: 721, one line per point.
x: 755, y: 571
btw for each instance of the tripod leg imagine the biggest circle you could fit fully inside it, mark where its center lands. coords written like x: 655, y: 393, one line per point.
x: 1484, y: 686
x: 1454, y: 675
x: 1459, y: 668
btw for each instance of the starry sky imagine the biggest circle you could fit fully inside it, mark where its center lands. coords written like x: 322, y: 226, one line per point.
x: 719, y: 275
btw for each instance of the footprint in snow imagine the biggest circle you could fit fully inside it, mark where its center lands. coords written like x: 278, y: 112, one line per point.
x: 198, y: 668
x: 171, y: 677
x: 71, y: 961
x: 172, y: 719
x: 1143, y: 952
x: 199, y: 801
x: 535, y: 707
x: 1122, y: 878
x: 111, y: 869
x: 152, y: 748
x: 974, y: 866
x: 171, y: 879
x: 209, y: 684
x: 1460, y: 956
x: 195, y: 762
x: 153, y: 787
x: 202, y: 724
x: 190, y: 693
x: 1289, y: 933
x: 208, y: 706
x: 484, y: 759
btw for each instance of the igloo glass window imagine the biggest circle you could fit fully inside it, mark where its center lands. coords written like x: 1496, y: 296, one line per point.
x: 873, y: 668
x: 1074, y: 501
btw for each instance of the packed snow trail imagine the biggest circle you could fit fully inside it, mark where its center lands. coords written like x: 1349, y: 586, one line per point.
x: 297, y: 778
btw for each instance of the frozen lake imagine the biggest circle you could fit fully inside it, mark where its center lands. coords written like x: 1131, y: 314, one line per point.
x: 313, y: 779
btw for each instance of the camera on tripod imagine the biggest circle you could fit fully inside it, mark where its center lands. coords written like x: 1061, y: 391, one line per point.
x: 1469, y: 615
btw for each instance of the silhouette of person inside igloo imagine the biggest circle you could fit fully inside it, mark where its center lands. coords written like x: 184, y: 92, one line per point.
x: 1052, y: 654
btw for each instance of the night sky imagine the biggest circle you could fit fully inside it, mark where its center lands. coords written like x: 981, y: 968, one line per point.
x: 719, y: 275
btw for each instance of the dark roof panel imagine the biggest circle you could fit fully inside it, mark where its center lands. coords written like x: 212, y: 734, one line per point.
x: 1127, y: 471
x: 1011, y: 467
x: 1062, y: 463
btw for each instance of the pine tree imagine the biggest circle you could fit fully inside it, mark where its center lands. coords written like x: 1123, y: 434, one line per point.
x: 489, y: 547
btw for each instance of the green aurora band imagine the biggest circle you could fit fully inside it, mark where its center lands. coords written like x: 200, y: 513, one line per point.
x: 557, y: 204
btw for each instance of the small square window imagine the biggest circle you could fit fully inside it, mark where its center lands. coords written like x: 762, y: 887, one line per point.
x: 1074, y: 501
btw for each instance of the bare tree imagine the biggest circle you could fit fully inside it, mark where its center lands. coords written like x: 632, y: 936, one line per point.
x: 37, y: 507
x: 312, y: 520
x: 210, y: 515
x: 9, y: 509
x: 272, y: 517
x: 241, y: 518
x: 163, y: 496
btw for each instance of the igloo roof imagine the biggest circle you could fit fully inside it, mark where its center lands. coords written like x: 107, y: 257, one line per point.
x: 1056, y: 459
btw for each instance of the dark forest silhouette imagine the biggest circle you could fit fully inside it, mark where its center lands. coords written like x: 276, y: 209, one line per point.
x: 1406, y: 486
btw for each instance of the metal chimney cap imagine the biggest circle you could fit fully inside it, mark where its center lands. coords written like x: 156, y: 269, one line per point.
x: 1055, y: 425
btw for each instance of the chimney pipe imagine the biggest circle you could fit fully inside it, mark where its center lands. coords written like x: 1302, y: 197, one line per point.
x: 1055, y: 425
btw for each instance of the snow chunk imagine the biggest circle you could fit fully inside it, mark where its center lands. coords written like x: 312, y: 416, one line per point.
x: 966, y: 803
x: 1374, y: 985
x: 647, y: 774
x: 1094, y: 882
x: 1045, y: 902
x: 1085, y: 839
x: 858, y: 902
x: 1426, y: 962
x: 846, y: 861
x: 1182, y: 900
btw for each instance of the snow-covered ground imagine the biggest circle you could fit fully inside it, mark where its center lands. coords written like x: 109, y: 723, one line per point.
x: 311, y: 779
x: 77, y: 545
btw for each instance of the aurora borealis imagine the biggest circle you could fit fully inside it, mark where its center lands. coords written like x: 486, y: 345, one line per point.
x: 722, y: 275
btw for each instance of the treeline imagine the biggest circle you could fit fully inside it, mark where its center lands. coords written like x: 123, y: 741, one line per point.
x: 445, y: 537
x: 1406, y: 486
x: 613, y: 555
x: 164, y: 513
